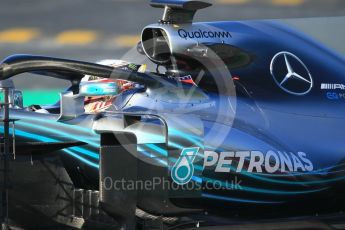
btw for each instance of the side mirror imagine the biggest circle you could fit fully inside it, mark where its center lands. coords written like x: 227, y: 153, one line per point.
x: 71, y: 106
x: 94, y: 89
x: 17, y: 99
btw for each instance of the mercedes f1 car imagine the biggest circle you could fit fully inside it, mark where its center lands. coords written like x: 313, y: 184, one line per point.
x: 241, y: 122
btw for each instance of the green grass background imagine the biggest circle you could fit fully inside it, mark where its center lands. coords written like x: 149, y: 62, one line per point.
x: 41, y: 97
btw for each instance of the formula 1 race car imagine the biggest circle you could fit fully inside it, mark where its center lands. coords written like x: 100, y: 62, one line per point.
x: 241, y: 124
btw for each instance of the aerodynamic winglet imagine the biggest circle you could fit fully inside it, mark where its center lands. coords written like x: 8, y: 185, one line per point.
x: 179, y: 11
x: 186, y: 5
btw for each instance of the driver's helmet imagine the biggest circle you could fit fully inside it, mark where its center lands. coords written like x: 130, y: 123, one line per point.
x: 101, y: 103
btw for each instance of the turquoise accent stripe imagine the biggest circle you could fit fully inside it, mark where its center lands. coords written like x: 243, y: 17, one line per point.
x: 192, y: 138
x: 315, y: 172
x: 265, y: 191
x: 158, y: 149
x: 231, y: 199
x: 55, y: 123
x: 150, y: 155
x: 197, y: 179
x: 46, y: 139
x: 81, y: 158
x: 86, y: 152
x: 294, y: 182
x: 58, y: 132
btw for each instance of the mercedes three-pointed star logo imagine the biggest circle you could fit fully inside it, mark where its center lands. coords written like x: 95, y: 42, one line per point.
x: 293, y: 79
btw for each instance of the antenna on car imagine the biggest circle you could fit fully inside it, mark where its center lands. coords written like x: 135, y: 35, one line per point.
x: 179, y: 11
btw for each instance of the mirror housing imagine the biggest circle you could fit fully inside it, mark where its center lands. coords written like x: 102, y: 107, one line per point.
x: 15, y: 96
x: 16, y: 99
x: 71, y: 106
